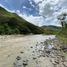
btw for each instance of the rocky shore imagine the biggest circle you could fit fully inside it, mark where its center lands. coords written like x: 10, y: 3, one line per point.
x: 50, y: 53
x: 32, y: 51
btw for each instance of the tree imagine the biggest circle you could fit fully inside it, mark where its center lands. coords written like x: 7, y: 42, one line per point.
x: 62, y: 18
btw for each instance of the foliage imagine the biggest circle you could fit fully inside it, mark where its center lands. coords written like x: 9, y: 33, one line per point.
x: 51, y: 30
x: 62, y: 35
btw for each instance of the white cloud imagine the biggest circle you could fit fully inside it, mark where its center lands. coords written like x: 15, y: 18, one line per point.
x: 24, y: 7
x: 18, y: 11
x: 31, y: 3
x: 47, y: 6
x: 51, y: 9
x: 38, y: 20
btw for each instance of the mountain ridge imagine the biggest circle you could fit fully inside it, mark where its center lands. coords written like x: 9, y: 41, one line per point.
x: 11, y: 23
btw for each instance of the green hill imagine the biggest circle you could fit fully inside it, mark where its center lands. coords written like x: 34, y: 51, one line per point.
x: 51, y: 29
x: 63, y: 31
x: 11, y: 23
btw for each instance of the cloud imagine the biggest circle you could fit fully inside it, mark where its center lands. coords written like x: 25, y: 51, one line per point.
x: 37, y: 20
x: 51, y: 9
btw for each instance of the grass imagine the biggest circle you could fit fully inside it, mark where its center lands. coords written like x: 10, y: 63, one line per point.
x: 62, y: 39
x: 62, y: 35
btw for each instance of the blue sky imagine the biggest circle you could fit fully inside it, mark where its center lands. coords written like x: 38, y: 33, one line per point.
x: 23, y: 5
x: 38, y: 12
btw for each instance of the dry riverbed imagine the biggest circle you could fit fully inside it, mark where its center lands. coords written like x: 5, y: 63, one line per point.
x: 32, y: 51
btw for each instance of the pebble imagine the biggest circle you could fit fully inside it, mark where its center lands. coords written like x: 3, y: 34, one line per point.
x: 18, y: 58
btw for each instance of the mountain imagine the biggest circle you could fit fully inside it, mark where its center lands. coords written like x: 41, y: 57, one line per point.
x: 11, y: 23
x: 51, y: 29
x: 60, y: 31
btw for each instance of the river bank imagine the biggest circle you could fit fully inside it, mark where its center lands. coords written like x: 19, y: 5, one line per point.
x: 32, y: 51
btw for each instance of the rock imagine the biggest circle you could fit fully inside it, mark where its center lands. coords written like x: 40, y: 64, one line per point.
x: 18, y: 58
x: 65, y: 64
x: 57, y: 62
x: 21, y: 52
x: 48, y: 51
x: 54, y: 48
x: 25, y: 63
x: 64, y: 49
x: 34, y: 58
x: 31, y: 47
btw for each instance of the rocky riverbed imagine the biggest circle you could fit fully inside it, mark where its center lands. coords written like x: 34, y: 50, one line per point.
x: 32, y: 51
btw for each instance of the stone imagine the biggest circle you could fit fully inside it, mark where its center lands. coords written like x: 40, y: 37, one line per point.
x: 18, y: 58
x: 65, y: 64
x: 34, y: 58
x: 21, y: 52
x: 25, y: 63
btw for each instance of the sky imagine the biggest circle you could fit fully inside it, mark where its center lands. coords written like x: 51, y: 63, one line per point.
x: 38, y: 12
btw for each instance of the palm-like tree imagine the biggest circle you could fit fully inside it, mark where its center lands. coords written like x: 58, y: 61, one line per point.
x: 62, y: 18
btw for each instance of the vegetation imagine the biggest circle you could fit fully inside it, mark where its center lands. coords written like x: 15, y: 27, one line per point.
x: 62, y: 35
x: 11, y: 23
x: 51, y: 29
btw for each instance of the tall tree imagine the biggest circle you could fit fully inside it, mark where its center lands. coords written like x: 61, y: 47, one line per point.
x: 62, y: 18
